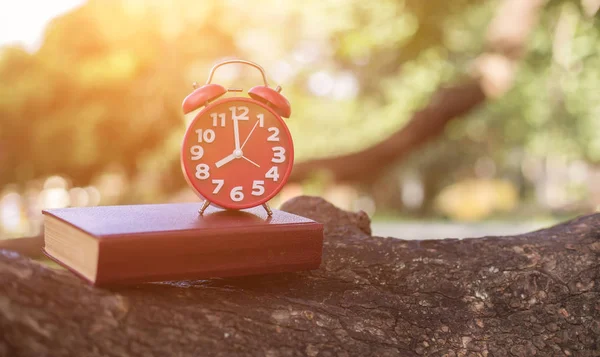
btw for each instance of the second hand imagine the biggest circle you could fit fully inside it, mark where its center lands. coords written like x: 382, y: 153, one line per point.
x: 248, y: 137
x: 250, y: 161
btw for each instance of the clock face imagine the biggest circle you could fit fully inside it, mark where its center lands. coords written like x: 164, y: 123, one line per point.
x: 237, y: 153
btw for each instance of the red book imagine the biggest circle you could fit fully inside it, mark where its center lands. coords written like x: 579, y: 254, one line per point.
x: 109, y: 245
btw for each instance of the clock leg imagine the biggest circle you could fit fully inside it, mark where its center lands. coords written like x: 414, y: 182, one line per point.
x: 268, y: 209
x: 204, y: 207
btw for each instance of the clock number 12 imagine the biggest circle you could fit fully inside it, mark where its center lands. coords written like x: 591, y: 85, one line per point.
x: 236, y: 116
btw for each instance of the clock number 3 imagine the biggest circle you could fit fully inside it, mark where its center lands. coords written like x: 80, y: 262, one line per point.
x: 278, y: 155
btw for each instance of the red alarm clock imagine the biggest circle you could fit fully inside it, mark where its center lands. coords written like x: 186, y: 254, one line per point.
x: 237, y: 152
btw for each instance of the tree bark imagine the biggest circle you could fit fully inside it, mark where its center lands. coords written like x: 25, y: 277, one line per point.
x: 532, y: 294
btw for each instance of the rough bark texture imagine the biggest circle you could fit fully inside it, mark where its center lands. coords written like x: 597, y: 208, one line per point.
x: 534, y: 294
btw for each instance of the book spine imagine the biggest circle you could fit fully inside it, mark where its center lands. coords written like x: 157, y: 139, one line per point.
x: 200, y: 255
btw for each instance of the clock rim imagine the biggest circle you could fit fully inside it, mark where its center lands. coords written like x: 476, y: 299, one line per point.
x: 229, y: 205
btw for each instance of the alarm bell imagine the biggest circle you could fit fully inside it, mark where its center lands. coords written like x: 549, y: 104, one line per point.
x: 264, y: 94
x: 273, y: 98
x: 201, y: 96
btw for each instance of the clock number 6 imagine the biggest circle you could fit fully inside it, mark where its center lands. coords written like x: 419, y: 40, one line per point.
x: 236, y: 194
x: 202, y: 171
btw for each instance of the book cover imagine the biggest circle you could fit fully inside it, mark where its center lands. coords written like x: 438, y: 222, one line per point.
x: 109, y: 245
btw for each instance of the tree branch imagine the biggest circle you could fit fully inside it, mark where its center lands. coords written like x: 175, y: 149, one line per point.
x: 492, y: 76
x: 446, y: 104
x: 533, y: 294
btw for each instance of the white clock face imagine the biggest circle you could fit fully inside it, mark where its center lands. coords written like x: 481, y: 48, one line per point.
x: 237, y: 153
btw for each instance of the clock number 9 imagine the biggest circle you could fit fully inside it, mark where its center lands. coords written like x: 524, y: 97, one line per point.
x: 197, y: 152
x: 279, y: 154
x: 202, y: 171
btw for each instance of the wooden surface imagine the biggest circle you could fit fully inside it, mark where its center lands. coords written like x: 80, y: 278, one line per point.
x: 531, y: 295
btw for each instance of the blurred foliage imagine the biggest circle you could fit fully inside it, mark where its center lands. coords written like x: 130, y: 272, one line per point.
x: 103, y: 92
x: 472, y: 199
